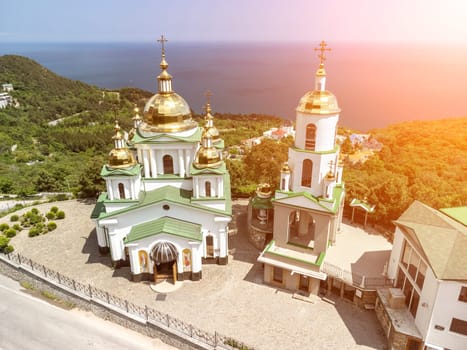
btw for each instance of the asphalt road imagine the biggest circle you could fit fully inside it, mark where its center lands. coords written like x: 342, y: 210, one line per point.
x: 30, y: 323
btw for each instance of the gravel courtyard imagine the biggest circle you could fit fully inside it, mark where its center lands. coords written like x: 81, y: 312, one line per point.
x: 229, y: 299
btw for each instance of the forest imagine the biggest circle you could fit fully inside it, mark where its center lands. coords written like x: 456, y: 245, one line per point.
x: 58, y: 136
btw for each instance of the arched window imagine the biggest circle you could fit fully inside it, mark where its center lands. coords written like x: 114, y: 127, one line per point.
x: 307, y: 170
x: 207, y: 188
x: 168, y: 164
x: 310, y: 137
x: 283, y: 185
x: 121, y: 191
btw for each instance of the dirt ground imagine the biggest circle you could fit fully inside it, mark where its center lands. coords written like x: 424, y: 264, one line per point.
x: 229, y: 299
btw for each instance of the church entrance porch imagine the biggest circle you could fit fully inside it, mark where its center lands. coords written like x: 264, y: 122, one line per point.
x: 164, y: 255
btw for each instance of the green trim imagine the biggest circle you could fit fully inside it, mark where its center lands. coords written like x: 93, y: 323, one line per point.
x: 140, y: 139
x: 167, y: 225
x: 173, y: 195
x: 336, y: 148
x: 133, y: 171
x: 318, y: 261
x: 220, y: 170
x: 166, y: 177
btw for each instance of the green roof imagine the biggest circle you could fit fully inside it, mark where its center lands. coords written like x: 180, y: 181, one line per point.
x: 222, y: 169
x: 457, y: 213
x: 174, y: 195
x: 261, y: 203
x: 133, y: 171
x: 369, y: 208
x: 99, y: 207
x: 319, y: 259
x: 139, y: 139
x: 337, y: 193
x: 166, y: 225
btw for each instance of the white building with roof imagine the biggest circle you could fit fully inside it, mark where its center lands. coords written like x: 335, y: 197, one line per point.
x: 428, y: 306
x: 167, y: 206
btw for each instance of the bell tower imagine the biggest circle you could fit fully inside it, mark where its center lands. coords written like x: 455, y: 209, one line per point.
x: 315, y: 146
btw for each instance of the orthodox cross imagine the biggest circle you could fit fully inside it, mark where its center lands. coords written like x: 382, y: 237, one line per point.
x: 323, y: 48
x: 208, y: 95
x: 162, y: 40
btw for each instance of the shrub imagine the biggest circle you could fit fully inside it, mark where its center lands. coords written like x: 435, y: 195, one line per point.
x: 17, y: 227
x: 50, y: 215
x: 11, y: 232
x: 3, y: 242
x: 34, y: 231
x: 51, y: 226
x: 14, y: 218
x: 8, y: 249
x: 60, y: 214
x: 54, y: 209
x: 35, y: 211
x: 4, y: 227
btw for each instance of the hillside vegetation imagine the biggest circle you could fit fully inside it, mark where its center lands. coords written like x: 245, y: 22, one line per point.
x: 419, y: 160
x: 58, y: 136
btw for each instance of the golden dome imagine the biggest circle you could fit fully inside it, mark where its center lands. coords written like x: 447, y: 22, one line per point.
x: 209, y: 126
x: 207, y: 156
x: 121, y: 158
x: 167, y: 112
x: 318, y: 102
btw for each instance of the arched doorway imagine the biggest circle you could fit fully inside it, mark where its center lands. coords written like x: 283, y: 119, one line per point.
x: 164, y: 255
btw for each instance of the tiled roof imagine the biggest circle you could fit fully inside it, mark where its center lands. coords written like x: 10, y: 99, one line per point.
x: 166, y: 225
x: 443, y: 240
x: 108, y: 171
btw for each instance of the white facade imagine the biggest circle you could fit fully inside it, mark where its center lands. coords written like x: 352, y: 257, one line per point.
x: 414, y: 258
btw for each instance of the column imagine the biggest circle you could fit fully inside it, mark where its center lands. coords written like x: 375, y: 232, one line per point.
x: 303, y: 224
x: 220, y: 187
x: 152, y: 161
x: 146, y: 164
x: 181, y: 163
x: 110, y: 190
x: 187, y: 161
x: 132, y: 189
x: 140, y: 155
x: 223, y: 247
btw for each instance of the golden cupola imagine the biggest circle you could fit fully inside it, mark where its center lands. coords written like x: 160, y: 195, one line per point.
x: 166, y: 111
x: 207, y: 156
x: 209, y: 126
x: 319, y: 100
x: 120, y: 156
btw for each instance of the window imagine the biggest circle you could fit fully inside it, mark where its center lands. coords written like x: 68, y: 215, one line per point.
x: 168, y: 164
x: 458, y: 326
x: 307, y: 169
x: 277, y: 274
x: 421, y: 274
x: 121, y: 191
x: 310, y: 137
x: 406, y: 254
x: 463, y: 294
x: 414, y: 303
x: 207, y: 188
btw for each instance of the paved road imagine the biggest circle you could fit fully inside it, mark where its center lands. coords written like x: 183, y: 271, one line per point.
x: 30, y: 323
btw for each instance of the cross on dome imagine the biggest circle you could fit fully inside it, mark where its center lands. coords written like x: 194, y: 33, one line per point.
x: 323, y: 48
x: 207, y: 106
x: 162, y: 40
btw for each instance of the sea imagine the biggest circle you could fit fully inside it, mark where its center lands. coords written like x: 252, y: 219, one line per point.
x: 375, y: 84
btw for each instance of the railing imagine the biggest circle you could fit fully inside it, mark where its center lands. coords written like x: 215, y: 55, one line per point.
x: 355, y: 279
x: 141, y: 313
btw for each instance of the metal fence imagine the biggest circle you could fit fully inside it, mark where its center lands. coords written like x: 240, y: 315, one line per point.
x: 142, y: 313
x: 355, y: 279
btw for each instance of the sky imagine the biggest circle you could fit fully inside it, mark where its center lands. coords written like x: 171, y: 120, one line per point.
x: 392, y: 21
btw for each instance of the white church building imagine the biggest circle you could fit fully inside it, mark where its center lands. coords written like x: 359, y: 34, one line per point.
x: 167, y: 206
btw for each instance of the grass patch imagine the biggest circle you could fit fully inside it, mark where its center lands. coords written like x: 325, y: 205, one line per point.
x: 26, y: 285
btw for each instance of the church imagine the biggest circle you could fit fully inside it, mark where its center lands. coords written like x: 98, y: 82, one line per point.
x: 307, y: 208
x: 167, y: 204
